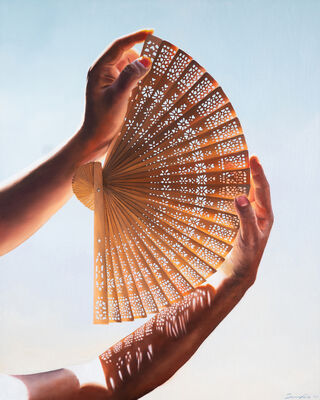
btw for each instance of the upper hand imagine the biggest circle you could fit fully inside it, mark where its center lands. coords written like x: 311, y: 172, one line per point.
x: 110, y: 82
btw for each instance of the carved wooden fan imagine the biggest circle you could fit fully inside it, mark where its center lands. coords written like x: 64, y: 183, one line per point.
x: 164, y: 217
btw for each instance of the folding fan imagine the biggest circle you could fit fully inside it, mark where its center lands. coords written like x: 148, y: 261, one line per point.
x: 164, y: 217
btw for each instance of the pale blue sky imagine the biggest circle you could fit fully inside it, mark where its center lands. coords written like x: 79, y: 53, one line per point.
x: 265, y: 55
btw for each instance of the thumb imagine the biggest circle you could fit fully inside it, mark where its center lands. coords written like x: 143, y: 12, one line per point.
x: 131, y: 75
x: 248, y: 224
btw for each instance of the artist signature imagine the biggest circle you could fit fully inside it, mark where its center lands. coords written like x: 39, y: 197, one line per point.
x: 291, y: 396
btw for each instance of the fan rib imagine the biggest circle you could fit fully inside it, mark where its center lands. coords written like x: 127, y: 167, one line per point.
x: 130, y: 289
x: 207, y: 267
x: 146, y: 207
x: 199, y: 236
x: 223, y: 205
x: 100, y: 279
x: 164, y: 55
x: 177, y: 275
x: 194, y: 149
x: 150, y: 49
x: 163, y: 87
x: 82, y: 185
x: 164, y: 279
x: 173, y: 92
x: 198, y: 278
x: 154, y: 287
x: 148, y: 301
x: 179, y: 281
x: 113, y: 302
x: 185, y: 109
x: 222, y: 218
x: 223, y: 114
x: 172, y: 236
x: 122, y: 291
x: 154, y: 283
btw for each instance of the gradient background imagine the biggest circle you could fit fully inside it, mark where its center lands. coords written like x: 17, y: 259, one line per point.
x: 265, y: 54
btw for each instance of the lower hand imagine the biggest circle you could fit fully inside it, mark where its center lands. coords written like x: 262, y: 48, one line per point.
x: 256, y: 220
x: 168, y: 340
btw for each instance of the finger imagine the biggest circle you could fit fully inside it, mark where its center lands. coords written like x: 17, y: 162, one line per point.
x: 113, y: 53
x: 131, y: 75
x: 248, y: 223
x: 127, y: 58
x: 261, y: 186
x: 251, y: 191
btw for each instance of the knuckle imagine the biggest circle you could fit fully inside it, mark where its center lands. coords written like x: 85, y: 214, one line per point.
x: 130, y: 70
x: 110, y: 95
x: 92, y: 74
x: 270, y: 217
x: 270, y: 221
x: 89, y: 73
x: 249, y: 240
x: 267, y: 185
x: 247, y: 214
x: 128, y: 74
x: 117, y: 43
x: 253, y: 240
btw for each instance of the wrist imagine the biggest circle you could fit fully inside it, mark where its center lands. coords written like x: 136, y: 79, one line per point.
x: 233, y: 282
x: 84, y: 148
x: 239, y: 268
x: 239, y: 283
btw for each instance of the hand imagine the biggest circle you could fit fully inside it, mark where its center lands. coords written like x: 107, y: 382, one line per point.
x: 110, y: 82
x: 256, y: 220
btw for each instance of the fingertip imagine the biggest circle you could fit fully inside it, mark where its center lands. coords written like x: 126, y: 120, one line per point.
x: 149, y: 31
x: 257, y: 171
x: 136, y: 37
x: 254, y: 161
x: 143, y: 33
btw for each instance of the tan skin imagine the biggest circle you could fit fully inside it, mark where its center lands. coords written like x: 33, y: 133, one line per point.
x: 36, y: 196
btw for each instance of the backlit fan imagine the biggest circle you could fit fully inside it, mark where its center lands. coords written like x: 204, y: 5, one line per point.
x: 164, y: 217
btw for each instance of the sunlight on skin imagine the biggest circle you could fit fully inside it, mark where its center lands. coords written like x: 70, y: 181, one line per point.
x: 89, y: 372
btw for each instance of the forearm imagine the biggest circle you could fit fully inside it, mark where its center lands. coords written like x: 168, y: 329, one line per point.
x: 149, y: 356
x: 29, y: 201
x: 152, y: 354
x: 54, y: 385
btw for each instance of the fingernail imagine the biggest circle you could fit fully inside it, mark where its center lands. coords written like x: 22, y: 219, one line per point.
x: 242, y: 201
x: 145, y: 61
